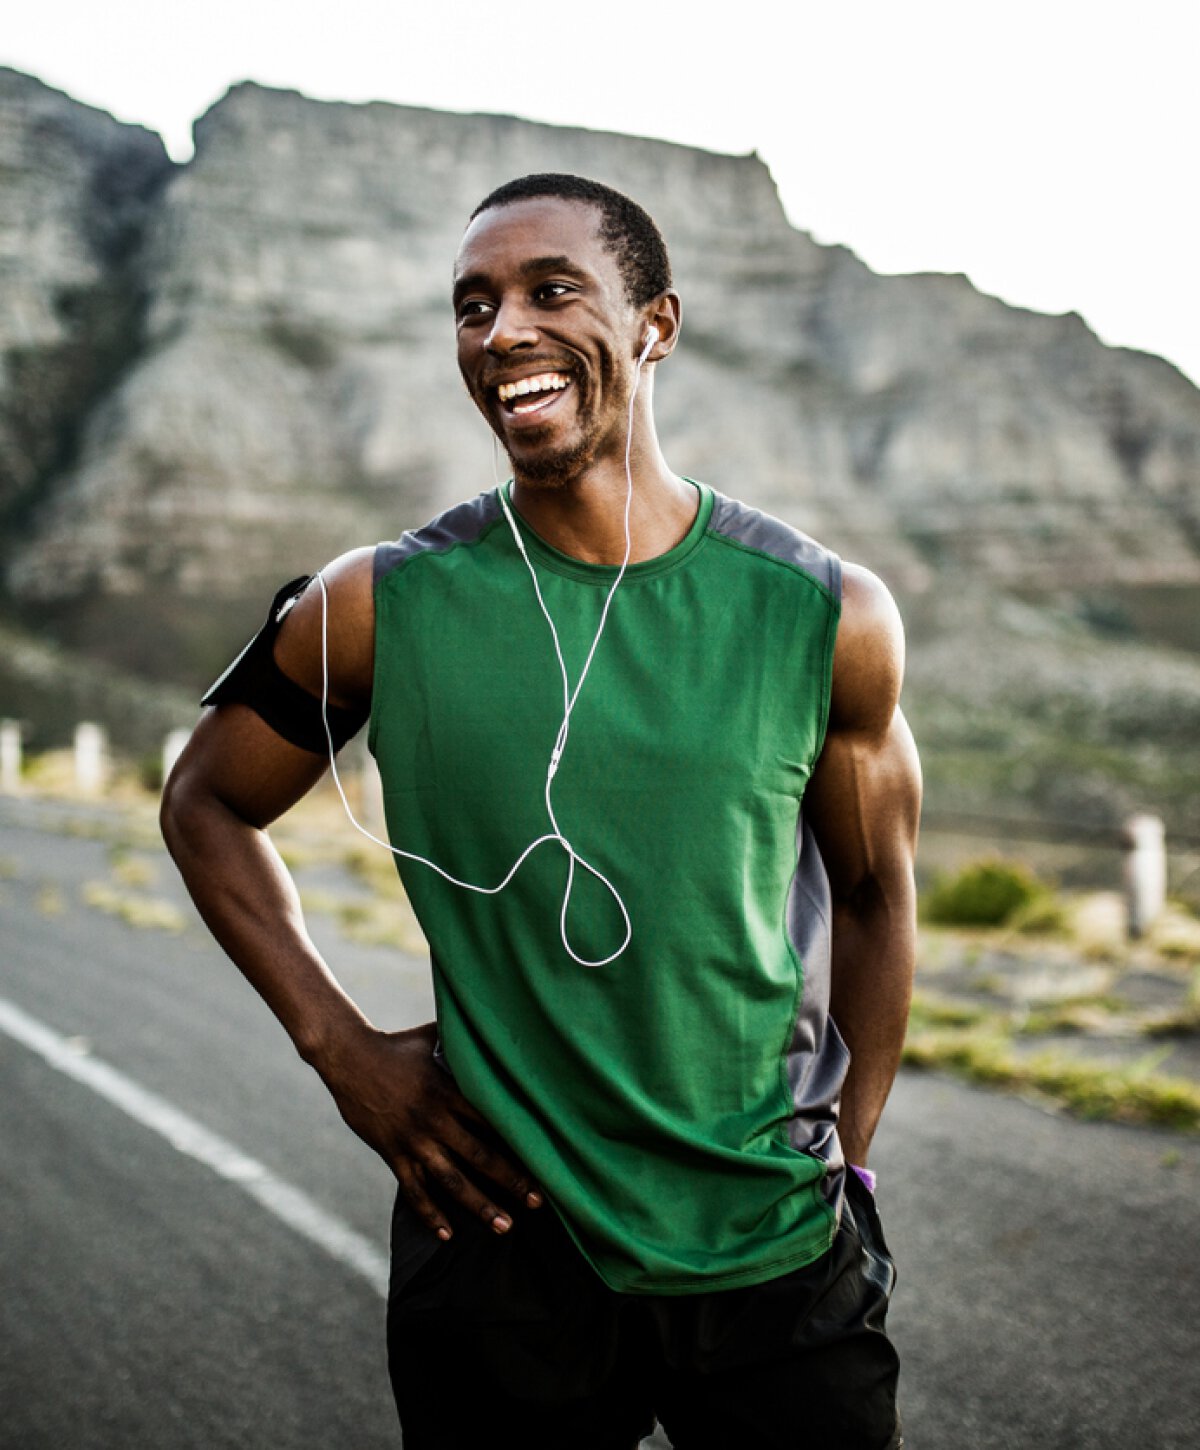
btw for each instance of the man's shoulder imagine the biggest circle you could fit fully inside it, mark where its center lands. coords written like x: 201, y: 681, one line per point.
x: 463, y: 523
x: 762, y: 533
x: 869, y: 612
x: 869, y: 662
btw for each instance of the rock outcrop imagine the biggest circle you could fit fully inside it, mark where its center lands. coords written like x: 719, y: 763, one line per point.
x: 75, y: 188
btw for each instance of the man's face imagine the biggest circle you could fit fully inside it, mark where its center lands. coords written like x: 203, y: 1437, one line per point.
x: 547, y: 337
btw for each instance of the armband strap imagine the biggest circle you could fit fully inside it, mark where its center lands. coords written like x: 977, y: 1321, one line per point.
x: 255, y: 680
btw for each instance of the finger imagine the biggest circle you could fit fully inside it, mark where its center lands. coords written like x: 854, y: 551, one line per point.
x: 411, y: 1185
x: 502, y: 1169
x: 493, y: 1163
x: 443, y: 1175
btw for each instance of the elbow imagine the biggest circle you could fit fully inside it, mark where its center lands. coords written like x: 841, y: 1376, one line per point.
x: 178, y: 809
x: 861, y: 899
x: 885, y: 894
x: 169, y: 810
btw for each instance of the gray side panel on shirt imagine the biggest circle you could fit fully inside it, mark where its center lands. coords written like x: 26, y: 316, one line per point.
x: 817, y: 1057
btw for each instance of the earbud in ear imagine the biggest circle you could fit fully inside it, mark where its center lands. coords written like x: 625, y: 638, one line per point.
x: 651, y: 336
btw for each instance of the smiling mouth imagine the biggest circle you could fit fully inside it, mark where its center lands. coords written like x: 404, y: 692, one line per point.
x: 532, y: 395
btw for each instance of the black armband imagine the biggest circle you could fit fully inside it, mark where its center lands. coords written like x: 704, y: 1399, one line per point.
x: 254, y: 679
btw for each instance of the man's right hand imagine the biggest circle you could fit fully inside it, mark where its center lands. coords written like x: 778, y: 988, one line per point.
x: 391, y: 1090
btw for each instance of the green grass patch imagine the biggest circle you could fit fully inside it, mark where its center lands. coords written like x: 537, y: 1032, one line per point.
x: 1072, y: 1014
x: 993, y: 893
x: 377, y: 921
x: 1185, y: 1020
x: 373, y: 866
x: 147, y: 913
x: 930, y: 1011
x: 1132, y: 1093
x: 124, y: 832
x: 131, y: 870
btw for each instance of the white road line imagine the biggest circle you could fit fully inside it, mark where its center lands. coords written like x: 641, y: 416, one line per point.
x: 285, y: 1201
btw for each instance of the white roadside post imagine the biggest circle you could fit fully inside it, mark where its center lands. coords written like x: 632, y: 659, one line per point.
x: 10, y: 756
x: 1145, y: 873
x: 172, y: 750
x: 91, y: 758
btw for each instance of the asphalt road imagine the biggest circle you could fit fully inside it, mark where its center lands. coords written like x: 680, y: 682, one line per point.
x: 1049, y: 1268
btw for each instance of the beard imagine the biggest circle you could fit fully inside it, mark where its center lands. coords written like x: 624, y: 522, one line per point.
x: 548, y: 468
x: 555, y: 468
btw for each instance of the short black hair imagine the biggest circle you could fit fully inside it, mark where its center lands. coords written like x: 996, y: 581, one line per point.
x: 626, y: 229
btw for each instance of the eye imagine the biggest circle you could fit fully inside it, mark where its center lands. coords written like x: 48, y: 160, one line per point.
x: 551, y: 291
x: 473, y: 307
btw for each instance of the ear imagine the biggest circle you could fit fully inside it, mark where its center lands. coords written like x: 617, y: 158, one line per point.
x: 665, y: 315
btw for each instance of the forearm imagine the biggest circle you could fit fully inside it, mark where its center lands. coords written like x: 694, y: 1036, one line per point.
x: 874, y: 956
x: 250, y: 904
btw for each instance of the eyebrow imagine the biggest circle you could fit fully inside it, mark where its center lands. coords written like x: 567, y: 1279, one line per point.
x: 533, y: 267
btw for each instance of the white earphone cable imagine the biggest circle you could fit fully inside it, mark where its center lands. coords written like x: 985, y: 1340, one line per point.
x: 570, y: 699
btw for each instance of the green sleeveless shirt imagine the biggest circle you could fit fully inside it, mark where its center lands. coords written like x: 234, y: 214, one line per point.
x: 678, y: 1104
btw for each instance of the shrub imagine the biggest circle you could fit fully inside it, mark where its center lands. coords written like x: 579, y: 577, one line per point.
x: 990, y: 893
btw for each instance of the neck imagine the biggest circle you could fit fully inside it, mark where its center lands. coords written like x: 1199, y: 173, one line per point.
x: 585, y: 516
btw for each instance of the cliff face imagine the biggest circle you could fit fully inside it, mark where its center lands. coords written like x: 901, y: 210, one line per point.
x: 216, y: 376
x: 75, y: 186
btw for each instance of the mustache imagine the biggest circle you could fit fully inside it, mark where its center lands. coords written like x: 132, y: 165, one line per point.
x: 528, y: 367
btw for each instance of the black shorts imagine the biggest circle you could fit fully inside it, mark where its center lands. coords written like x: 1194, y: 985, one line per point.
x: 516, y: 1341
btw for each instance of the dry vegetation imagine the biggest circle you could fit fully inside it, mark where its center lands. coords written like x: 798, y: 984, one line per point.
x: 1026, y: 988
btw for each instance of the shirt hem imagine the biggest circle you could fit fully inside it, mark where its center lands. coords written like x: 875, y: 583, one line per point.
x: 729, y: 1279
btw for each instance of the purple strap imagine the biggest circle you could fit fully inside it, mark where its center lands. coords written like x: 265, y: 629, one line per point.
x: 865, y: 1174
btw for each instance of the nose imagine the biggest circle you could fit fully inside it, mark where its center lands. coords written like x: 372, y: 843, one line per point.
x: 512, y: 329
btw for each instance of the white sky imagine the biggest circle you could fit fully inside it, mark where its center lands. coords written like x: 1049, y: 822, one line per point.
x: 1047, y: 148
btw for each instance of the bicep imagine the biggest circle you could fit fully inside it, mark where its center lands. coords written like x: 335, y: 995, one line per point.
x: 863, y: 801
x: 863, y: 804
x: 330, y: 633
x: 236, y: 761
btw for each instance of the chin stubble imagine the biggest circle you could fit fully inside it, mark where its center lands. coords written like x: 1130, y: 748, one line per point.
x: 554, y: 469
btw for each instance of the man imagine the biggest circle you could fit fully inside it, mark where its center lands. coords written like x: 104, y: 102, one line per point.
x: 640, y: 680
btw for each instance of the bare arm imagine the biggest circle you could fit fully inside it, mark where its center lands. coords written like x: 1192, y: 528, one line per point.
x: 236, y: 777
x: 863, y: 804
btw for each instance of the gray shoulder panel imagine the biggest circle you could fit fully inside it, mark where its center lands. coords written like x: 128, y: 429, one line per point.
x: 768, y: 535
x: 462, y: 524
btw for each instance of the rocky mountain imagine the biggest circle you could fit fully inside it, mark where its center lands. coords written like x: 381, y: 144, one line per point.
x: 215, y: 376
x: 75, y: 189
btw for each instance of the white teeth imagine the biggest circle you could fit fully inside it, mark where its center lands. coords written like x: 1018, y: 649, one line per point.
x: 533, y: 405
x: 544, y: 382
